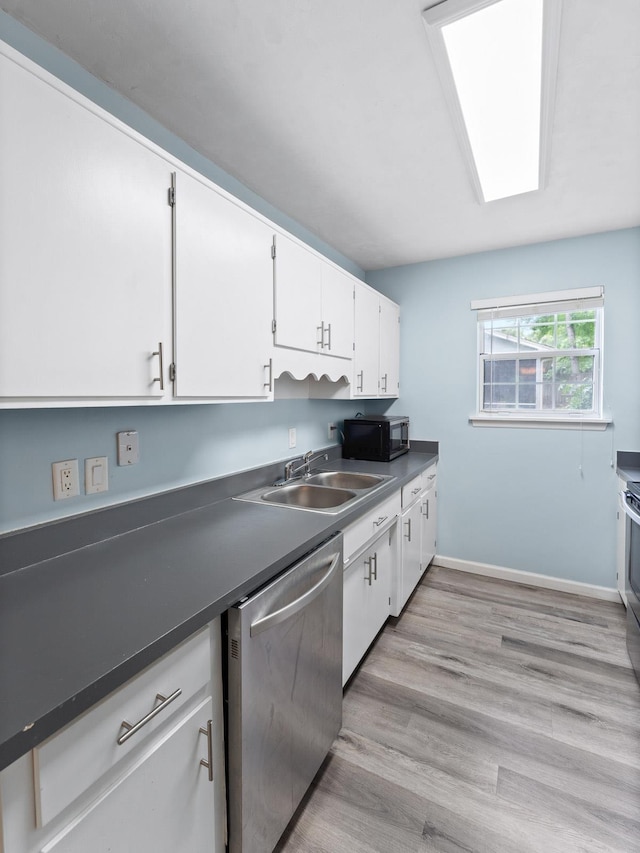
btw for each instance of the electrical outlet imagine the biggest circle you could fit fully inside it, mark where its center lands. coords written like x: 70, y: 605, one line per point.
x: 331, y: 430
x: 66, y: 482
x: 292, y: 437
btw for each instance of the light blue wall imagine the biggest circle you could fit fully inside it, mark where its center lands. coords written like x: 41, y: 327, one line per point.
x: 178, y: 445
x: 536, y: 500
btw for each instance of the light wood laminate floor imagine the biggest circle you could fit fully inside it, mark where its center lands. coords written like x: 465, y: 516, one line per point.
x: 490, y: 717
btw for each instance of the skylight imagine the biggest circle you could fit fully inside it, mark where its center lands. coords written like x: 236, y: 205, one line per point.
x: 490, y: 55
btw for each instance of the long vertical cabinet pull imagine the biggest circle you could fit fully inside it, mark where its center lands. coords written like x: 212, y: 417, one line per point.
x: 328, y: 331
x: 269, y: 367
x: 369, y: 562
x: 209, y: 762
x: 408, y: 533
x: 160, y: 378
x: 425, y: 509
x: 360, y: 382
x: 320, y: 331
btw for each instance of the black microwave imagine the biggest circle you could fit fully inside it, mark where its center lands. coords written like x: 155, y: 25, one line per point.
x: 379, y: 438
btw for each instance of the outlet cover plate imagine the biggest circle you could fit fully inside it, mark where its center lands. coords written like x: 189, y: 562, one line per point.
x: 96, y: 475
x: 66, y: 482
x: 128, y: 448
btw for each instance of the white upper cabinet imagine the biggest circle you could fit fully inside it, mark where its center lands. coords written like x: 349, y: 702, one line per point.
x: 389, y: 348
x: 367, y: 341
x: 313, y: 301
x: 376, y: 359
x: 85, y: 256
x: 223, y: 296
x: 337, y: 313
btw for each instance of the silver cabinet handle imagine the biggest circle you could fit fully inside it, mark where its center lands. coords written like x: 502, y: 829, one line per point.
x: 269, y: 367
x: 132, y: 729
x: 209, y: 762
x: 431, y: 477
x: 160, y: 378
x: 320, y: 331
x: 328, y: 330
x: 375, y: 565
x: 278, y: 616
x: 361, y: 385
x: 408, y: 533
x: 415, y: 491
x: 369, y: 563
x: 381, y: 520
x: 385, y: 379
x: 424, y: 509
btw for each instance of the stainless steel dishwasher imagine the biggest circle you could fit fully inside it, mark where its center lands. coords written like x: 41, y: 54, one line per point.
x: 284, y: 677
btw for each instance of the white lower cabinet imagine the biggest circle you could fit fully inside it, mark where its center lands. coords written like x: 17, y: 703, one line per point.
x: 82, y: 790
x: 417, y: 537
x: 371, y: 560
x: 367, y: 589
x: 411, y: 548
x: 164, y: 803
x: 429, y: 520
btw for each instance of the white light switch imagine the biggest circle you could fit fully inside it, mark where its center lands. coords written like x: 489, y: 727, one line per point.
x: 128, y: 448
x: 96, y: 475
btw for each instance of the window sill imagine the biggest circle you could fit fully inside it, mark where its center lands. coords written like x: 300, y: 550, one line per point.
x: 506, y: 419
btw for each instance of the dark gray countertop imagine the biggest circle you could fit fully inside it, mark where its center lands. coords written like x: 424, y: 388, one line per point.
x: 76, y: 624
x: 628, y: 466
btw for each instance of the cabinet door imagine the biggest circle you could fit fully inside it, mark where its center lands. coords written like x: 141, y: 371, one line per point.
x: 223, y: 296
x: 411, y: 550
x: 298, y: 296
x: 85, y: 260
x: 429, y: 513
x: 164, y: 803
x: 337, y: 313
x: 389, y: 348
x: 367, y: 342
x: 366, y: 591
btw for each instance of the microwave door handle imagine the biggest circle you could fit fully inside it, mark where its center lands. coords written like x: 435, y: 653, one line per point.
x: 632, y: 514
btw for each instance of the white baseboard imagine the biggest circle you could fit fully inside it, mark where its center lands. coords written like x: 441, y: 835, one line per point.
x: 531, y: 578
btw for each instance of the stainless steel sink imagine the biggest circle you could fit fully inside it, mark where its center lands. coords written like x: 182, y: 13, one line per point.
x: 325, y: 491
x: 309, y: 497
x: 345, y: 480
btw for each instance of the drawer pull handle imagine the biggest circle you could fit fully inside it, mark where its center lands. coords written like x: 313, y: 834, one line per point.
x: 431, y: 477
x: 132, y: 729
x: 408, y: 533
x: 381, y: 520
x: 416, y: 490
x: 209, y: 762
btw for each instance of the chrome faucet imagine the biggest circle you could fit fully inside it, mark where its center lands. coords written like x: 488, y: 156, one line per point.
x: 303, y: 463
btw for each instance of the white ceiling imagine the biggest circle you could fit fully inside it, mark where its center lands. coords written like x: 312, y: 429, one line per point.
x: 331, y: 110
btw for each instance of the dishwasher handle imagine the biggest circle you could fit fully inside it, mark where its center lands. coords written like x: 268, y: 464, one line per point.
x: 300, y: 603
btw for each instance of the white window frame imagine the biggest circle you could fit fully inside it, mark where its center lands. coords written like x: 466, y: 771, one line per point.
x: 552, y: 302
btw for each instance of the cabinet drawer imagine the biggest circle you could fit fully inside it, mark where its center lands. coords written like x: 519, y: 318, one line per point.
x: 429, y: 478
x: 74, y: 758
x: 361, y: 531
x: 411, y: 490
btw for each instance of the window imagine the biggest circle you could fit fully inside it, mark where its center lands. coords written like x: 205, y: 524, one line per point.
x: 540, y: 358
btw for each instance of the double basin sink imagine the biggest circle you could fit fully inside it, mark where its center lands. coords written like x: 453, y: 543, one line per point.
x: 325, y: 491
